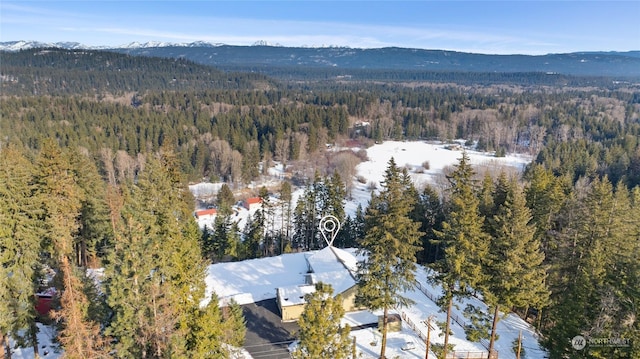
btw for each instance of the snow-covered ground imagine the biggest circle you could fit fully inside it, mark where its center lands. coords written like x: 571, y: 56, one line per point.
x: 413, y: 155
x: 257, y: 279
x: 47, y: 348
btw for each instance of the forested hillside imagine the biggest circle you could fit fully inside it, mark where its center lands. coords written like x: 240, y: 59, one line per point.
x: 55, y: 71
x: 399, y: 60
x: 97, y: 148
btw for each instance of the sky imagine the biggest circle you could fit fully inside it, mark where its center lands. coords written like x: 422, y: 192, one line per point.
x: 489, y: 27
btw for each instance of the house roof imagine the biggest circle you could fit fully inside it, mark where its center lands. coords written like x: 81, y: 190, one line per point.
x: 253, y: 200
x: 294, y: 295
x: 253, y: 280
x: 205, y: 212
x: 333, y: 266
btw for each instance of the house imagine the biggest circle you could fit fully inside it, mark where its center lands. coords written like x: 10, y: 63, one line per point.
x: 252, y: 203
x: 205, y: 214
x: 330, y: 265
x: 44, y: 301
x: 291, y: 300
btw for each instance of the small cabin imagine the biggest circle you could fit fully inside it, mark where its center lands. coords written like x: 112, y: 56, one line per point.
x: 206, y: 213
x: 252, y: 203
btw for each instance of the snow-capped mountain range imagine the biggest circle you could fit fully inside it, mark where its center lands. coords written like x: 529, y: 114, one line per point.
x: 26, y: 44
x: 265, y: 55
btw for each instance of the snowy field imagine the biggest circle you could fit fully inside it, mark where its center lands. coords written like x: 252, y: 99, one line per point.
x: 46, y: 345
x: 411, y: 155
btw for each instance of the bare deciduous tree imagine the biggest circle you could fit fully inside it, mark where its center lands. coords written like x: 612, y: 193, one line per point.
x: 221, y: 158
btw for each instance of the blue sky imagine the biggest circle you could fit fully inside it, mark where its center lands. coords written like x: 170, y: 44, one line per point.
x: 492, y: 27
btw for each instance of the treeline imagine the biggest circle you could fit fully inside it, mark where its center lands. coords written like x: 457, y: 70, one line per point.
x: 564, y: 255
x: 576, y: 132
x: 301, y: 73
x: 573, y: 245
x: 55, y: 72
x: 126, y: 261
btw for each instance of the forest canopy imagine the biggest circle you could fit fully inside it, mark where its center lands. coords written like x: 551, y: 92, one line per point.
x: 90, y: 141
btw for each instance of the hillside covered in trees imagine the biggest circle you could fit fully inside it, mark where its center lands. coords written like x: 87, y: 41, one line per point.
x: 97, y: 149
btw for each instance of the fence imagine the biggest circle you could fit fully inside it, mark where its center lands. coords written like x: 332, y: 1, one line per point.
x: 459, y: 321
x: 470, y: 355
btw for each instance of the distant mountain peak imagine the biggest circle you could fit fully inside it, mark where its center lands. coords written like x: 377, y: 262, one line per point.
x: 142, y: 45
x: 266, y: 43
x: 69, y: 45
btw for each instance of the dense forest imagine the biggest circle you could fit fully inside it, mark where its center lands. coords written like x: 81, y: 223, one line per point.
x: 97, y: 148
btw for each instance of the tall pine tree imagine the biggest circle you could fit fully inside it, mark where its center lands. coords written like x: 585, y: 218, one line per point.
x: 321, y: 335
x: 20, y: 247
x: 390, y: 245
x: 465, y: 244
x: 516, y: 277
x: 62, y: 202
x: 155, y: 280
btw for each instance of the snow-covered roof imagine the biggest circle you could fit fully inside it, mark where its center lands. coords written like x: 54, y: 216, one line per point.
x: 254, y: 280
x: 333, y: 266
x: 294, y: 295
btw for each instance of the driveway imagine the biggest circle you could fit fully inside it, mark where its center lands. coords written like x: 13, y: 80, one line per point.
x: 267, y: 336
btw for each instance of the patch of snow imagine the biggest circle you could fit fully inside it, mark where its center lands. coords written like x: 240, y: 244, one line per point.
x: 47, y: 348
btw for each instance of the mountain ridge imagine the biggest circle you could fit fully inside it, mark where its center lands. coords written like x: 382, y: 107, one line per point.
x: 262, y: 55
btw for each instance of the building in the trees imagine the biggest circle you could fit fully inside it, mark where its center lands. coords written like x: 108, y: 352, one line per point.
x: 205, y: 214
x: 330, y: 265
x: 252, y: 203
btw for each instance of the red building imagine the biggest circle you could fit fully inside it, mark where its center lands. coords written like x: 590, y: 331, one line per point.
x: 252, y: 203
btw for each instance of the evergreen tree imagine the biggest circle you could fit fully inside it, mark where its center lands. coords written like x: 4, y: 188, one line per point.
x: 305, y: 220
x: 233, y: 324
x: 628, y: 273
x: 62, y: 203
x: 390, y: 246
x: 225, y: 200
x: 359, y: 223
x: 95, y: 231
x: 204, y: 338
x: 486, y: 194
x: 285, y: 214
x: 336, y: 193
x: 432, y: 216
x: 465, y: 244
x: 221, y: 237
x: 253, y: 235
x: 155, y: 280
x: 516, y: 276
x: 250, y: 161
x: 321, y: 336
x: 589, y: 298
x: 130, y: 278
x: 20, y: 246
x: 268, y: 213
x: 233, y: 246
x: 545, y: 196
